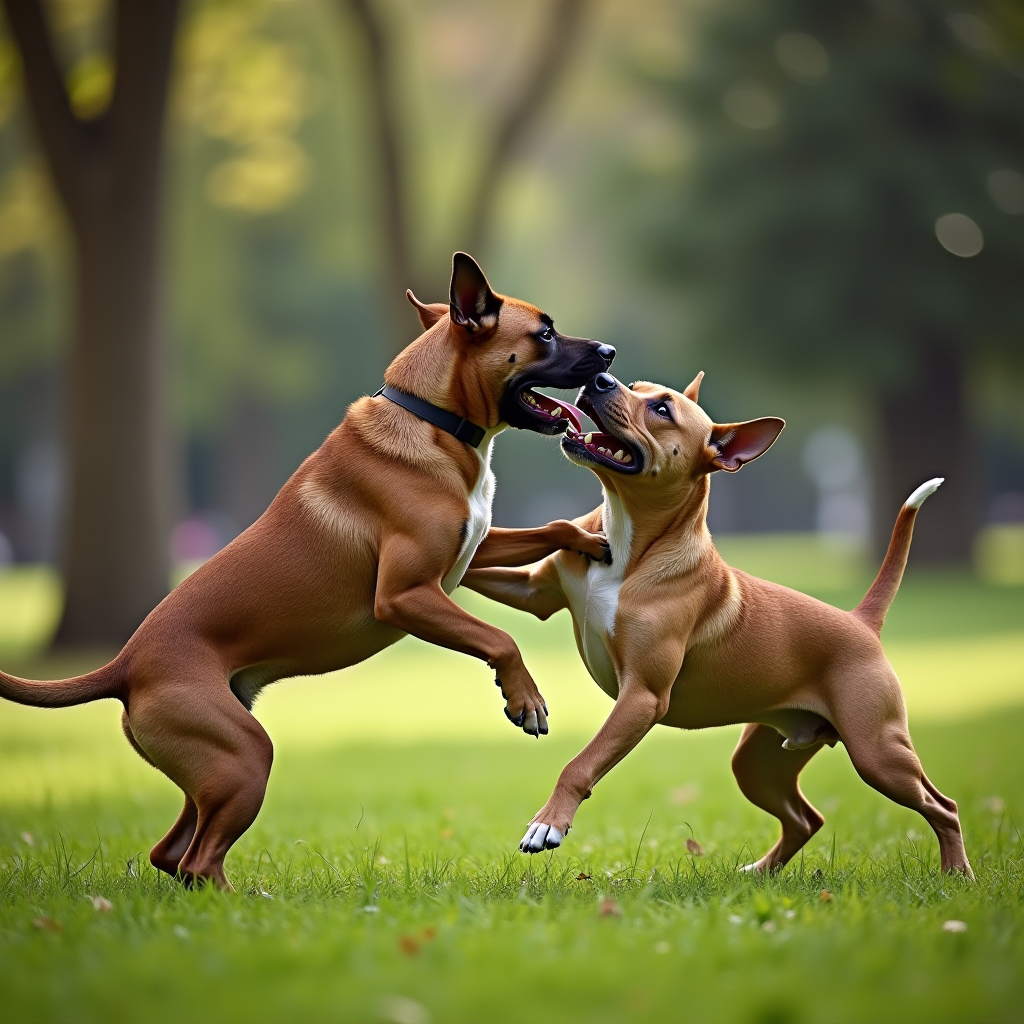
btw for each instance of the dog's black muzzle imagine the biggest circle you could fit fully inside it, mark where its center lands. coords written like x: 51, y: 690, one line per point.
x: 571, y: 364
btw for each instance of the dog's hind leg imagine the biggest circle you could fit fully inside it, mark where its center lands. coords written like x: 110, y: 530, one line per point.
x: 768, y: 775
x: 204, y: 740
x: 886, y: 760
x: 167, y: 854
x: 871, y: 719
x: 229, y: 797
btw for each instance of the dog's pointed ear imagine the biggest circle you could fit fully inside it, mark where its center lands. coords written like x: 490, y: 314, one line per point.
x: 733, y: 445
x: 473, y: 306
x: 429, y: 312
x: 693, y: 388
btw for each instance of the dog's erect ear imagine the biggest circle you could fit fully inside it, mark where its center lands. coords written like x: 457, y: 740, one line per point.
x: 693, y: 388
x: 430, y: 312
x: 474, y: 307
x: 733, y: 445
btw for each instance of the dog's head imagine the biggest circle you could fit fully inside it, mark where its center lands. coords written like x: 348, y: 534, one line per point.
x: 653, y: 436
x: 505, y: 348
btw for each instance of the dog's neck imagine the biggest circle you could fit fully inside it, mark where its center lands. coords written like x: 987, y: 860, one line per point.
x: 432, y: 368
x: 641, y: 520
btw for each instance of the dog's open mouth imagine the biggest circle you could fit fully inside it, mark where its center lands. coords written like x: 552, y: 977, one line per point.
x: 601, y: 446
x: 551, y: 415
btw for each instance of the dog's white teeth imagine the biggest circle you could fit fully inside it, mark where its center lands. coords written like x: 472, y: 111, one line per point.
x: 628, y: 458
x: 556, y: 412
x: 619, y: 455
x: 588, y: 439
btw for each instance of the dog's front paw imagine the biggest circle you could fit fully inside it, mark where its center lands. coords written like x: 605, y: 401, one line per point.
x: 532, y: 717
x: 541, y: 837
x: 593, y: 545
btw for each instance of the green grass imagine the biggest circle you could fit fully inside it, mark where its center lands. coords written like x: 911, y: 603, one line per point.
x: 381, y: 881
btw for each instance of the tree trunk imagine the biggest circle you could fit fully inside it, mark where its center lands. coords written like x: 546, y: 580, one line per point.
x: 926, y: 433
x: 116, y: 561
x: 107, y: 172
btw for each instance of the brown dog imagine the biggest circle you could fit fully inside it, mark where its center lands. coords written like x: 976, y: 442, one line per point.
x: 362, y: 545
x: 677, y: 637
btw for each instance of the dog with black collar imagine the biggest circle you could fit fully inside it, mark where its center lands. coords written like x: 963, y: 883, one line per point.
x: 361, y: 546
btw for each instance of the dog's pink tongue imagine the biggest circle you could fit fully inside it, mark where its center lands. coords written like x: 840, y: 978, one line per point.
x: 573, y: 415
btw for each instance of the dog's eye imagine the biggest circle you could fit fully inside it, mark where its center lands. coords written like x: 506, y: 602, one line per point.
x: 662, y: 409
x: 546, y: 333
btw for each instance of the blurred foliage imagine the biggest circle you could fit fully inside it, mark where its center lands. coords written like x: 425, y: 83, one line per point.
x: 812, y: 148
x: 273, y: 285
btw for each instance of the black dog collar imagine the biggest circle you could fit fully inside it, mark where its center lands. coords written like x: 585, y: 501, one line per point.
x: 461, y: 429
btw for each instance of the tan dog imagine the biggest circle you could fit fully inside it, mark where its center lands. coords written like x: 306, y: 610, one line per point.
x: 362, y: 545
x: 677, y: 637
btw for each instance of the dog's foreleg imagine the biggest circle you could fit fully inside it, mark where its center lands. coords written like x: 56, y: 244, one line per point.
x: 409, y: 597
x: 521, y: 547
x: 637, y: 710
x: 537, y: 591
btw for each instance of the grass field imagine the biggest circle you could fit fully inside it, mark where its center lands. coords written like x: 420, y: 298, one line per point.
x: 381, y: 880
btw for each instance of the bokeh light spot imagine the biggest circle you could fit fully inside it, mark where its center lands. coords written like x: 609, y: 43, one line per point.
x: 91, y: 85
x: 751, y: 105
x: 958, y: 234
x: 973, y: 31
x: 1006, y: 190
x: 801, y: 56
x: 264, y: 178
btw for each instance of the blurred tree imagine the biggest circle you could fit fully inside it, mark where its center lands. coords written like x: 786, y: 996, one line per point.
x: 100, y: 126
x: 850, y: 206
x: 509, y: 128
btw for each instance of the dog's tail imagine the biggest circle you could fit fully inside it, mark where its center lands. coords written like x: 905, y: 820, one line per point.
x: 64, y: 693
x: 879, y: 596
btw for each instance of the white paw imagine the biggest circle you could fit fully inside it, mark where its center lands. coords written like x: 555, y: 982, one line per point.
x: 540, y: 837
x: 751, y: 868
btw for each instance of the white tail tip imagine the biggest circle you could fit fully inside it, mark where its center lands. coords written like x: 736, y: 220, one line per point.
x: 925, y: 491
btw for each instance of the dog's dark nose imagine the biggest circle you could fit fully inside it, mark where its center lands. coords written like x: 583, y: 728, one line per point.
x: 604, y: 382
x: 607, y: 353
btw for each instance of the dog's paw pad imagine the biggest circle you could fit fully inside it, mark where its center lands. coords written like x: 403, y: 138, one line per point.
x: 541, y: 837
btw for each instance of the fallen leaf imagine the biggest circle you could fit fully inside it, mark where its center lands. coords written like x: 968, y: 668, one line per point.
x: 581, y: 877
x: 429, y: 934
x: 694, y: 847
x: 102, y: 904
x: 826, y: 896
x: 408, y: 945
x: 954, y: 926
x: 47, y: 924
x: 610, y: 908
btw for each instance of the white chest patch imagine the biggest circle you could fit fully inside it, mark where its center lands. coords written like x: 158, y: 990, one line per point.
x: 594, y: 598
x: 479, y: 523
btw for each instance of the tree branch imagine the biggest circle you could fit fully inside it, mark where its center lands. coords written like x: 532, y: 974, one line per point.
x: 380, y: 82
x: 523, y: 111
x: 62, y: 136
